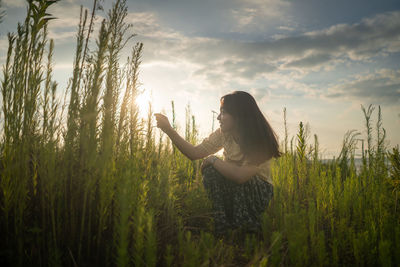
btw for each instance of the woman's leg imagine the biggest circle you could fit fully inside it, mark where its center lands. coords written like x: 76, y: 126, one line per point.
x: 219, y: 190
x: 236, y: 205
x: 249, y: 201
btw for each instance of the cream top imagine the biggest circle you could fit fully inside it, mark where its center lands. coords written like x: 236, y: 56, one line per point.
x: 232, y: 152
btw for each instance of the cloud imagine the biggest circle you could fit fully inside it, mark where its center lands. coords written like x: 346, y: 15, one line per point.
x: 146, y: 26
x: 223, y: 71
x: 286, y: 28
x: 3, y: 47
x: 256, y: 15
x: 310, y: 61
x: 357, y: 41
x: 380, y: 87
x: 223, y: 60
x: 216, y: 18
x: 63, y: 29
x: 227, y: 62
x: 13, y: 3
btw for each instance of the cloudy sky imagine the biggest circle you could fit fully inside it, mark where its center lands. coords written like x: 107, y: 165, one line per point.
x: 320, y: 59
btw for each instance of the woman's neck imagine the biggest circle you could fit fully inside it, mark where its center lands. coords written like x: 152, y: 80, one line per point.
x: 235, y: 136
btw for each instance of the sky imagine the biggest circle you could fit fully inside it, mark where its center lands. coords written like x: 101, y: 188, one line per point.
x: 319, y: 59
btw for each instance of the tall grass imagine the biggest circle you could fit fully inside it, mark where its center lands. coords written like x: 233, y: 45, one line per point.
x: 94, y: 185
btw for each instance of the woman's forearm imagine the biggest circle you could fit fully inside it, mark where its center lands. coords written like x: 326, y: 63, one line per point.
x: 184, y: 146
x: 238, y: 174
x: 189, y: 150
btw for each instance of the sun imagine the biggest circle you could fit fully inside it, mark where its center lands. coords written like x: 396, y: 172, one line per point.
x: 143, y: 100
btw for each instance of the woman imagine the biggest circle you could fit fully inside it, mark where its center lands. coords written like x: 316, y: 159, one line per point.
x: 239, y: 185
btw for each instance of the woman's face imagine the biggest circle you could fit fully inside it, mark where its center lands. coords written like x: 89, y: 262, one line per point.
x: 226, y: 121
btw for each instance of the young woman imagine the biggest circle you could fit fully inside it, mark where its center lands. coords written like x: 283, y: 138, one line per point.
x: 240, y: 185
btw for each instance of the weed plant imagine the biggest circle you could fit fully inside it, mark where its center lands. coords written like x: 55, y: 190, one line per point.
x: 86, y: 183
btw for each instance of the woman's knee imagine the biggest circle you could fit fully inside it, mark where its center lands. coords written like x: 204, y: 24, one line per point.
x: 209, y: 169
x: 209, y: 173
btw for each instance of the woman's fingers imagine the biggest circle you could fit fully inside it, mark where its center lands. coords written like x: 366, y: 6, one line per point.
x: 162, y: 121
x: 159, y: 117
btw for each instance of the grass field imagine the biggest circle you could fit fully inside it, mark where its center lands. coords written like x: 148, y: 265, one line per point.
x: 85, y: 182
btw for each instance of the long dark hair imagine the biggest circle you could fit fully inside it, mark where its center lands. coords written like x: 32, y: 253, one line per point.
x: 257, y: 140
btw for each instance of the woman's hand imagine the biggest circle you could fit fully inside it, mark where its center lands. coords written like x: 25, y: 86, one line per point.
x: 208, y: 161
x: 162, y: 122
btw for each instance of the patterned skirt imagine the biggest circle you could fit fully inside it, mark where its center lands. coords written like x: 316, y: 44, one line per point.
x: 236, y: 205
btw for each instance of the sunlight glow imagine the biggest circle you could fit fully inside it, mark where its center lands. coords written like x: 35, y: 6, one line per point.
x: 143, y: 101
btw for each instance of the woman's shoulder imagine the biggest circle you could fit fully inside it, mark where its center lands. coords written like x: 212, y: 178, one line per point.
x: 217, y: 134
x: 220, y: 135
x: 213, y: 139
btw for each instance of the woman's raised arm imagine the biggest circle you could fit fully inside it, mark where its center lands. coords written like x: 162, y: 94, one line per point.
x: 189, y: 150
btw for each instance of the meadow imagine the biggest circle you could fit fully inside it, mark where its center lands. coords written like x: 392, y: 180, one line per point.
x: 85, y: 182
